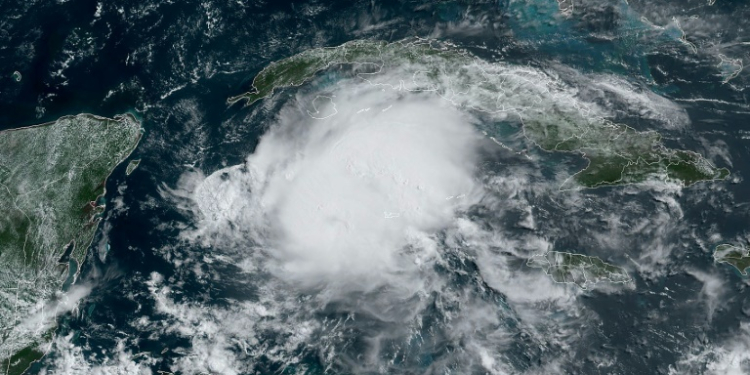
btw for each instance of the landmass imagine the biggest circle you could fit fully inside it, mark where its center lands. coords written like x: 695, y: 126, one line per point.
x: 616, y: 153
x: 577, y: 269
x: 52, y: 179
x: 132, y: 166
x: 16, y: 76
x: 736, y: 256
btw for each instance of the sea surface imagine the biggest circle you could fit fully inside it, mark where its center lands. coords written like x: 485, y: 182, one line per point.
x: 174, y: 64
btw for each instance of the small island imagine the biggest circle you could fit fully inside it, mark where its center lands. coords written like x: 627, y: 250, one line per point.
x: 577, y: 269
x: 132, y: 166
x: 736, y: 256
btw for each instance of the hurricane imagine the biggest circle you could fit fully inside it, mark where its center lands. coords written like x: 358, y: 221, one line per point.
x: 317, y: 187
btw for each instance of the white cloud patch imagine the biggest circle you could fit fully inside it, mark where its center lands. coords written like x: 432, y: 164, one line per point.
x: 713, y: 290
x: 43, y: 318
x: 40, y: 317
x: 69, y: 359
x: 732, y: 357
x: 358, y: 201
x: 354, y: 196
x: 625, y: 98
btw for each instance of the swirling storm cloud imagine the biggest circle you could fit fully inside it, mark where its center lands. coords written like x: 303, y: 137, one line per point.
x: 350, y: 190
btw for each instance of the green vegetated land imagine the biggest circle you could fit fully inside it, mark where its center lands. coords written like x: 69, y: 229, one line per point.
x: 51, y: 178
x: 578, y: 269
x: 736, y: 256
x: 132, y: 166
x: 617, y: 154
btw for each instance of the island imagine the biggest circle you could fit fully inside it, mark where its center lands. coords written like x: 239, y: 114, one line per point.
x: 616, y: 153
x: 577, y: 269
x: 52, y: 181
x: 736, y: 256
x: 132, y: 166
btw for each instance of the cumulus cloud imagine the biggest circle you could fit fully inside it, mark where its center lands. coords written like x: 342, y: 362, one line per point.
x: 359, y: 201
x: 41, y: 317
x: 731, y: 357
x: 349, y: 189
x: 373, y: 199
x: 713, y: 290
x: 69, y: 359
x: 625, y: 99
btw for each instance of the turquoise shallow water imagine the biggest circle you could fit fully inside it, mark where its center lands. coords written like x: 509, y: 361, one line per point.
x: 174, y: 65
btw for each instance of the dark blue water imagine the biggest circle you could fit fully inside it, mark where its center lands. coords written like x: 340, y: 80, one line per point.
x: 175, y: 65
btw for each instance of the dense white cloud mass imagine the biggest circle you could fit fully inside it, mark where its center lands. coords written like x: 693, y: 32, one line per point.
x: 373, y: 213
x: 69, y: 359
x: 364, y: 190
x: 350, y: 195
